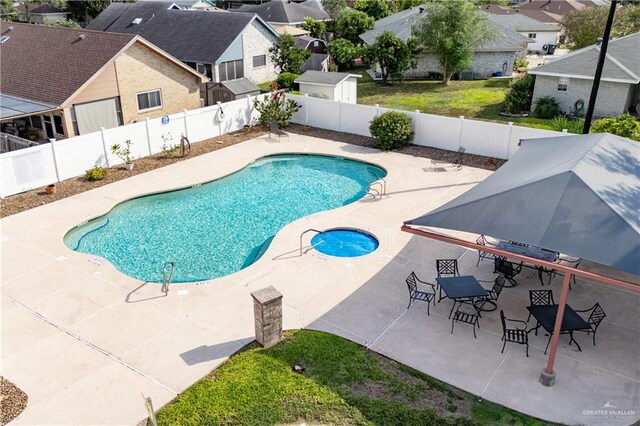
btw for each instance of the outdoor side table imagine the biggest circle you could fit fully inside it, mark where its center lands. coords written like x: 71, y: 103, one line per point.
x: 465, y: 287
x: 546, y: 317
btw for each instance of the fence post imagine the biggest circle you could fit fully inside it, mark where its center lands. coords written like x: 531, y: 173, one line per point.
x: 306, y: 109
x: 55, y: 161
x: 147, y: 126
x: 104, y: 146
x: 565, y: 131
x: 218, y: 114
x: 339, y: 115
x: 461, y: 130
x: 377, y: 110
x: 509, y: 139
x: 416, y: 138
x: 186, y: 128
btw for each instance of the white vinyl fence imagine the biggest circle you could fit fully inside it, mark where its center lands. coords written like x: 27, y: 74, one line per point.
x: 477, y: 137
x: 37, y: 166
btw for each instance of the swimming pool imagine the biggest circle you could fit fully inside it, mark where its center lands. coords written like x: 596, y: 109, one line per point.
x: 345, y: 242
x: 215, y: 229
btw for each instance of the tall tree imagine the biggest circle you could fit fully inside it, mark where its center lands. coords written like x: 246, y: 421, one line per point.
x: 334, y: 7
x: 583, y: 27
x: 377, y: 9
x: 351, y: 23
x: 392, y: 54
x: 287, y: 56
x: 8, y: 10
x: 87, y: 10
x: 451, y: 29
x: 315, y: 28
x: 399, y: 5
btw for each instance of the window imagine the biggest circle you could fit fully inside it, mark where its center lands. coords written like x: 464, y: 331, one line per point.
x: 3, y: 39
x: 563, y: 84
x: 57, y: 121
x: 201, y: 68
x: 259, y: 61
x: 149, y: 100
x: 316, y: 43
x: 532, y: 35
x: 231, y: 70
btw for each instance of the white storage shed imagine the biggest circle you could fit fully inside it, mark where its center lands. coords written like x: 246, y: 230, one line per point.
x: 335, y: 86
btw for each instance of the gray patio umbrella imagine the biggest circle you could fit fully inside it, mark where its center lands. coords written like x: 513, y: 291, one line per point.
x: 578, y: 195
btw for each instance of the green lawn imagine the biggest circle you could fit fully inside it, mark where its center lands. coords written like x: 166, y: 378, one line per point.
x: 344, y: 384
x: 478, y: 99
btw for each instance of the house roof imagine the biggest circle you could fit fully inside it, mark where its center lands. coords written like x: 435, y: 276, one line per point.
x: 40, y: 9
x: 324, y: 78
x: 66, y: 59
x: 288, y: 29
x: 400, y: 24
x: 48, y: 64
x: 519, y: 22
x: 559, y: 7
x: 304, y: 41
x: 622, y: 62
x: 189, y: 35
x: 285, y: 12
x: 240, y: 86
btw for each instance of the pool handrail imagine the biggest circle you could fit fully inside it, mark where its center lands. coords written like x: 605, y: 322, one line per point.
x: 309, y: 230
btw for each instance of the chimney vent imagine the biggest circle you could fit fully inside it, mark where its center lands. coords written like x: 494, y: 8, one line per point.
x: 421, y: 9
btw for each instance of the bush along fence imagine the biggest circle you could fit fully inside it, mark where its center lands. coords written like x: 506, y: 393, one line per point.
x: 41, y: 165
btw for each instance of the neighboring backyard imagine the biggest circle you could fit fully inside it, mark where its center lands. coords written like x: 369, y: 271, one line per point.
x: 344, y: 383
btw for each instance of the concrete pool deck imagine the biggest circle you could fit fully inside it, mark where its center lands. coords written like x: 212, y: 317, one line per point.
x: 84, y: 341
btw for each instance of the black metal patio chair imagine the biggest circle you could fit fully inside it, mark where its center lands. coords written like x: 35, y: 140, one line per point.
x: 447, y: 268
x: 538, y: 298
x: 469, y: 313
x: 494, y: 292
x: 596, y: 315
x: 457, y: 160
x: 414, y: 294
x: 482, y: 255
x: 517, y: 335
x: 508, y: 269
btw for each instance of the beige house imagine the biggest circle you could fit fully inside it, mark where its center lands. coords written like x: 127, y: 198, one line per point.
x: 80, y: 81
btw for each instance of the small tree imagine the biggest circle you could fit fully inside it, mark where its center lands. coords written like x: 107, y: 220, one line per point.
x: 315, y: 28
x: 391, y: 130
x: 393, y: 55
x: 451, y: 30
x: 377, y: 9
x: 624, y: 125
x: 276, y: 108
x: 288, y: 57
x: 343, y: 52
x: 520, y: 94
x: 351, y: 23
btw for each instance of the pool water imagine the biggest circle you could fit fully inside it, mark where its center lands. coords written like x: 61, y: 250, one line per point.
x: 344, y: 242
x: 221, y: 227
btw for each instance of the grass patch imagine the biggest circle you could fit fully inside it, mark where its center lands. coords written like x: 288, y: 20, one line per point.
x: 344, y: 384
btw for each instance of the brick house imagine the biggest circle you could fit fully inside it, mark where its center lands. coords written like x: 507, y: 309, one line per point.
x: 221, y: 45
x: 81, y: 80
x: 569, y: 79
x: 489, y: 59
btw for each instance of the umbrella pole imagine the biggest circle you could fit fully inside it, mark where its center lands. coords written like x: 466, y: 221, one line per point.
x: 548, y: 376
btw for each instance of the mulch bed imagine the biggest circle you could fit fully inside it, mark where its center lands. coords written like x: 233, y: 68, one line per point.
x: 12, y: 401
x: 37, y: 197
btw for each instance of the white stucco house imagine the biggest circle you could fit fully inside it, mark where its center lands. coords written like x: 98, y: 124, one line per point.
x: 335, y: 86
x: 541, y: 33
x: 569, y: 79
x: 490, y: 59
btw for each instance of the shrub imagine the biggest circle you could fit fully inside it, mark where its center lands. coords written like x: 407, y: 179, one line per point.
x: 572, y: 126
x: 286, y: 79
x: 275, y: 107
x: 546, y: 107
x: 624, y: 125
x: 96, y: 173
x: 391, y: 130
x: 518, y: 99
x: 124, y: 153
x: 520, y: 64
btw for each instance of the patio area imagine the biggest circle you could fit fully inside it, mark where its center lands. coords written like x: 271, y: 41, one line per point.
x: 81, y: 338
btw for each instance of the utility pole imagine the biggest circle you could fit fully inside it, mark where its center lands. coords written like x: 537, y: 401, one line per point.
x: 596, y: 78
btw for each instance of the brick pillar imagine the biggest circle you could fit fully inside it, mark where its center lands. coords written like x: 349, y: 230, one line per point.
x: 267, y: 311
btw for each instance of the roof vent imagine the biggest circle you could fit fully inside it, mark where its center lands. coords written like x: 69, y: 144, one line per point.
x: 421, y: 9
x: 12, y: 28
x: 82, y: 36
x: 136, y: 21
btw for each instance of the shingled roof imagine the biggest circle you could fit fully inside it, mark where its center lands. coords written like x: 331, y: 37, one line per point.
x: 622, y: 62
x: 285, y: 12
x: 189, y: 35
x: 48, y: 64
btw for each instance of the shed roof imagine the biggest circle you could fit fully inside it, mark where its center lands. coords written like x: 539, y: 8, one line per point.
x: 325, y: 78
x: 285, y: 12
x: 240, y: 86
x: 622, y: 63
x: 304, y: 41
x: 189, y: 35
